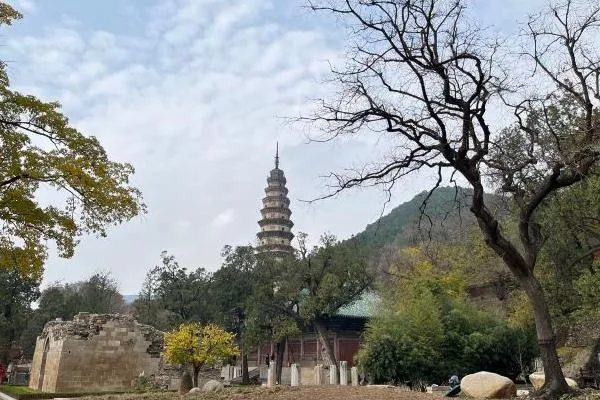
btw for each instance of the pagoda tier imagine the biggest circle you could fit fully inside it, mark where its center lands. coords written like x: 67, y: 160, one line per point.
x: 275, y: 221
x: 270, y: 212
x: 275, y: 234
x: 269, y: 190
x: 276, y: 199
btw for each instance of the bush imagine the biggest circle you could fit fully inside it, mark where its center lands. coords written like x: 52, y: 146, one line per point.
x: 430, y: 337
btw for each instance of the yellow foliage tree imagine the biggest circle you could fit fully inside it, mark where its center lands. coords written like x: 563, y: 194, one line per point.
x: 195, y: 344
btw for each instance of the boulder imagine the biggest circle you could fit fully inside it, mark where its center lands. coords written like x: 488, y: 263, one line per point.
x: 212, y: 386
x: 487, y: 385
x: 537, y: 381
x: 194, y: 390
x: 185, y: 385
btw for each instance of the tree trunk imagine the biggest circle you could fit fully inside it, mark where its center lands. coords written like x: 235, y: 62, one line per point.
x: 195, y: 376
x: 327, y: 351
x: 555, y: 384
x: 279, y: 360
x: 245, y: 373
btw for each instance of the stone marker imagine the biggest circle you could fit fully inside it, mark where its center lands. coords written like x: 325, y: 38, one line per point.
x: 237, y: 372
x: 228, y: 372
x: 488, y: 385
x: 333, y: 374
x: 271, y: 372
x: 354, y: 376
x: 295, y: 375
x: 343, y: 373
x: 318, y: 374
x: 537, y: 381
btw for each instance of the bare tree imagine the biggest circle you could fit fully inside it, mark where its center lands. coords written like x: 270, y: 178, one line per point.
x: 423, y: 74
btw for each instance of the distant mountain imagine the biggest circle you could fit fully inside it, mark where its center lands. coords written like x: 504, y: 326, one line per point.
x: 129, y: 298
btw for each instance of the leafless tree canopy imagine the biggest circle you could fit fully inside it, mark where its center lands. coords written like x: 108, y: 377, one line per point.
x: 423, y: 72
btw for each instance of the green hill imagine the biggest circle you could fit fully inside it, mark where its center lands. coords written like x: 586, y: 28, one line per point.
x: 442, y: 216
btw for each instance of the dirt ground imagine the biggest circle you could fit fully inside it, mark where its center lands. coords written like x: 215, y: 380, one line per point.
x: 289, y: 393
x: 308, y: 393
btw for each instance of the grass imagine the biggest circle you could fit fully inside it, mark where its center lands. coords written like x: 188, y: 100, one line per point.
x: 25, y: 393
x: 17, y: 390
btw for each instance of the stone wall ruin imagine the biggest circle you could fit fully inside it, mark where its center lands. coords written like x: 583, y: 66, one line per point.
x: 99, y: 352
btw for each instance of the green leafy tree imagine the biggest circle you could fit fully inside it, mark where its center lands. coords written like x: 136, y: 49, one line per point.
x: 271, y: 312
x: 147, y: 308
x: 184, y: 295
x: 231, y: 286
x: 40, y: 150
x: 429, y: 330
x: 329, y: 277
x: 17, y: 292
x: 97, y: 294
x: 567, y: 258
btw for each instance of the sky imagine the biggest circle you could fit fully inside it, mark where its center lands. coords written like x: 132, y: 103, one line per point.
x: 195, y: 94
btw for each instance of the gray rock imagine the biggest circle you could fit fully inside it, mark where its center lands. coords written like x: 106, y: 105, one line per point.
x: 212, y: 386
x: 194, y: 390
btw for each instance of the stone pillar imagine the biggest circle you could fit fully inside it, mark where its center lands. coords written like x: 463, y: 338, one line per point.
x: 271, y: 374
x: 228, y: 372
x: 333, y: 374
x: 237, y: 372
x: 295, y: 375
x: 354, y: 375
x: 343, y: 373
x: 318, y: 375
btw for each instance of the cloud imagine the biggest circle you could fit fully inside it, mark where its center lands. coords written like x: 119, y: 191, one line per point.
x: 193, y: 101
x: 224, y: 218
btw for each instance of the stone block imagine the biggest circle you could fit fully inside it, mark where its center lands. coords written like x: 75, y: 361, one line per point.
x: 354, y: 376
x: 344, y: 373
x: 318, y: 375
x: 271, y: 375
x: 333, y: 375
x: 295, y: 375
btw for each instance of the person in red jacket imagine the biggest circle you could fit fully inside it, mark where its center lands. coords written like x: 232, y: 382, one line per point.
x: 2, y: 373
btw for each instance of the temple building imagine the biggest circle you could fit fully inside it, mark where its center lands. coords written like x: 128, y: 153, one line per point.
x: 275, y: 235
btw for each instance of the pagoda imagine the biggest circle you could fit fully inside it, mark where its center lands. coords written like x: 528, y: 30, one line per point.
x: 275, y: 233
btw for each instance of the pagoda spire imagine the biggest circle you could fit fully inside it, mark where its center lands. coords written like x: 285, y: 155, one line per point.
x: 275, y: 233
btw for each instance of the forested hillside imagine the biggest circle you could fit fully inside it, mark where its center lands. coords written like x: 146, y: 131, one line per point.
x: 442, y: 217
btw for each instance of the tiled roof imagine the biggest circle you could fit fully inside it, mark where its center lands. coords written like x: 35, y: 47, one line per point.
x: 364, y: 306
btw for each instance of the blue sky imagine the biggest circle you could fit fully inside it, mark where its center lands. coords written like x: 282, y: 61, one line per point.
x: 194, y: 93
